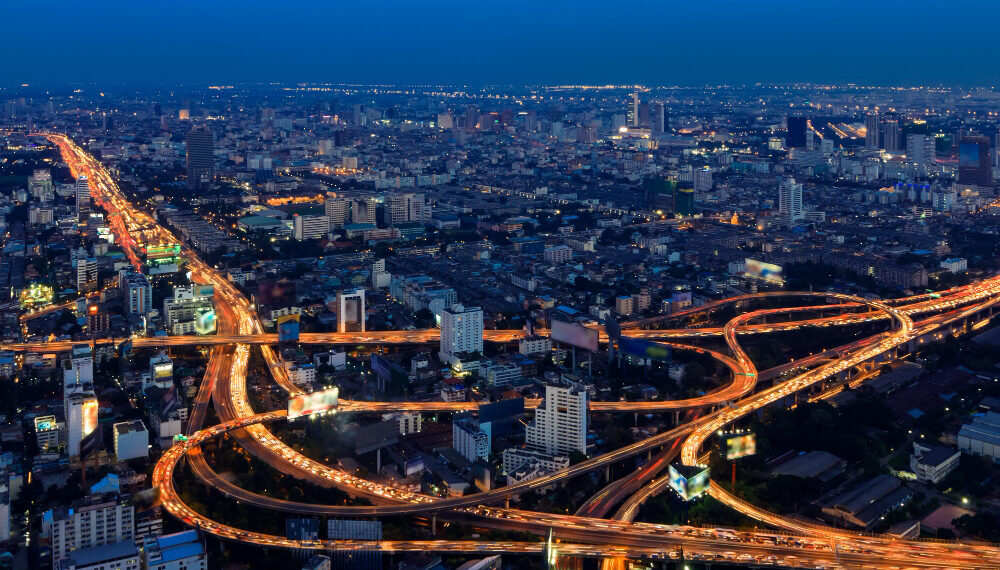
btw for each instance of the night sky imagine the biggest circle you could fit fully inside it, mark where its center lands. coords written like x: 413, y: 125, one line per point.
x: 513, y: 42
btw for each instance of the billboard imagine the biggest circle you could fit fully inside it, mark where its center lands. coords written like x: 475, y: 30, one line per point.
x: 688, y: 481
x: 414, y: 465
x: 341, y: 529
x: 204, y: 320
x: 680, y: 300
x: 203, y: 291
x: 574, y: 334
x: 288, y: 328
x: 376, y: 436
x: 765, y: 271
x: 741, y: 445
x: 89, y: 415
x: 313, y: 403
x: 644, y: 348
x: 163, y: 370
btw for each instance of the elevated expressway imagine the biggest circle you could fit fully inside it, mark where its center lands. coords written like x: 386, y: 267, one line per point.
x: 225, y: 383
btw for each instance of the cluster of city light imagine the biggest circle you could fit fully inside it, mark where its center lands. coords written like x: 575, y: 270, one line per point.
x: 237, y: 318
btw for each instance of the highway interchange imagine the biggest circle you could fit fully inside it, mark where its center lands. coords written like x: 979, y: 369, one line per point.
x: 613, y: 540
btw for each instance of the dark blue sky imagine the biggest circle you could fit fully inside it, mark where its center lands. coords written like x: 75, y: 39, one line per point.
x: 479, y: 41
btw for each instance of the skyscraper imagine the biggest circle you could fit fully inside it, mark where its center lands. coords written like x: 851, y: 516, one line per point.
x: 920, y: 149
x: 974, y: 161
x: 200, y: 158
x: 560, y: 424
x: 406, y: 207
x: 796, y: 137
x: 82, y: 197
x: 892, y: 135
x: 461, y: 331
x: 633, y: 110
x: 871, y: 131
x: 790, y: 199
x: 658, y: 118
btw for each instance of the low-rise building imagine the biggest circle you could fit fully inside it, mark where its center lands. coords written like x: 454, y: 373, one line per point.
x: 931, y: 463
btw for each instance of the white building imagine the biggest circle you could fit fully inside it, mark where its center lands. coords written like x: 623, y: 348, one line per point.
x: 46, y: 432
x: 560, y: 424
x: 502, y: 374
x: 558, y: 254
x: 534, y: 345
x: 137, y: 291
x: 339, y: 211
x: 310, y: 226
x: 301, y: 374
x: 514, y: 457
x: 92, y: 522
x: 86, y: 274
x: 702, y: 180
x: 920, y: 149
x: 468, y: 440
x: 179, y: 551
x: 81, y: 419
x: 351, y: 311
x: 461, y: 331
x: 932, y: 462
x: 131, y: 440
x: 380, y: 277
x: 790, y: 199
x: 955, y: 264
x: 406, y: 207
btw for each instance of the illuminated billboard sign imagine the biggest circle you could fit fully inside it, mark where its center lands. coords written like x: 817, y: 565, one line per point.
x: 288, y: 328
x: 765, y: 271
x: 689, y: 482
x: 644, y: 348
x: 89, y: 415
x: 741, y: 446
x: 313, y: 403
x: 163, y: 370
x: 574, y: 334
x: 204, y: 321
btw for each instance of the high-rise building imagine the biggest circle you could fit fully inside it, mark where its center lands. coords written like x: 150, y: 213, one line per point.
x: 920, y: 149
x: 82, y: 197
x: 892, y: 135
x: 200, y: 158
x: 560, y: 424
x: 683, y: 201
x: 137, y: 291
x: 338, y: 210
x: 633, y: 109
x: 796, y: 137
x: 81, y: 419
x: 363, y: 210
x: 86, y: 274
x: 380, y: 277
x: 131, y: 440
x: 790, y: 199
x: 974, y: 161
x: 469, y: 440
x: 406, y: 207
x: 872, y: 130
x: 40, y: 185
x: 306, y: 226
x: 658, y: 117
x: 461, y: 331
x: 94, y: 521
x: 702, y: 180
